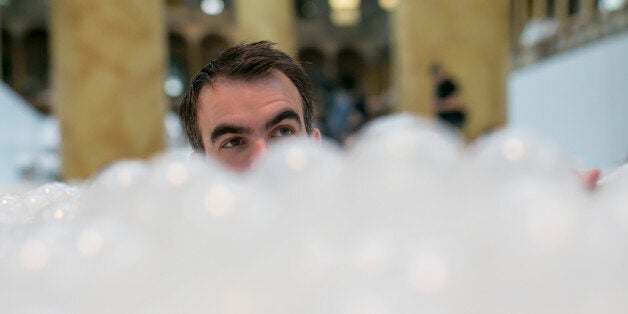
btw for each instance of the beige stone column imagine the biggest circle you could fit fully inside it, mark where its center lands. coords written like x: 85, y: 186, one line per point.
x: 539, y: 9
x: 587, y: 9
x: 108, y: 72
x: 267, y: 20
x: 564, y: 22
x: 562, y: 12
x: 470, y: 39
x: 587, y: 30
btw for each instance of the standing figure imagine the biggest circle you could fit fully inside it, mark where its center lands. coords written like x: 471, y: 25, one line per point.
x: 339, y: 110
x: 447, y: 103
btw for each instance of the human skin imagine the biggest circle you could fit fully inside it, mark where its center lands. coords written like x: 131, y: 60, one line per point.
x: 238, y: 118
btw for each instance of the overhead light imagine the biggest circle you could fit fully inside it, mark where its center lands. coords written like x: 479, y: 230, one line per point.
x: 345, y: 17
x: 345, y: 12
x: 388, y: 5
x: 173, y: 86
x: 212, y: 7
x: 344, y: 4
x: 611, y: 5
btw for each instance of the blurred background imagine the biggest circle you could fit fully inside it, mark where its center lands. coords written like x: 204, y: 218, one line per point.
x: 87, y: 82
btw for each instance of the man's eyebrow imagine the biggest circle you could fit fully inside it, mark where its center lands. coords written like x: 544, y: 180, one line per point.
x: 223, y: 129
x: 286, y: 114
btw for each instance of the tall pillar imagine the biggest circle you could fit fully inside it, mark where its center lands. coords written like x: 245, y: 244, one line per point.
x: 587, y: 29
x: 108, y: 72
x: 539, y: 9
x: 470, y: 39
x: 564, y: 23
x: 262, y: 20
x: 587, y: 9
x: 562, y: 12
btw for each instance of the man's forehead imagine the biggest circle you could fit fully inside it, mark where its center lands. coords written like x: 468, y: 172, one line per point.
x: 236, y: 96
x: 222, y: 82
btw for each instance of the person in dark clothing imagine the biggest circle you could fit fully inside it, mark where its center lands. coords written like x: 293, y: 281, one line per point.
x: 447, y: 103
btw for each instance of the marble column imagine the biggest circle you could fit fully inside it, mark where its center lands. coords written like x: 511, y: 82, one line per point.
x: 539, y: 9
x: 263, y: 20
x: 562, y: 12
x: 587, y: 29
x: 470, y: 39
x: 587, y: 9
x: 108, y: 71
x: 564, y: 23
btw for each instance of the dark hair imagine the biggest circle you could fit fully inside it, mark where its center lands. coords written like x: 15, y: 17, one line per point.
x: 246, y: 61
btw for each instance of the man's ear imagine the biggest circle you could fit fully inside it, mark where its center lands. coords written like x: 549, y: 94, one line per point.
x: 316, y: 135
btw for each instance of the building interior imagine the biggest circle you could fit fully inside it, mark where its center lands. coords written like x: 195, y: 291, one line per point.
x: 473, y: 159
x: 70, y: 54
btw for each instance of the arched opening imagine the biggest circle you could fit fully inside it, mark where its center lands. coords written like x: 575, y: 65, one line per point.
x: 573, y: 7
x: 37, y: 69
x: 7, y: 52
x: 349, y: 65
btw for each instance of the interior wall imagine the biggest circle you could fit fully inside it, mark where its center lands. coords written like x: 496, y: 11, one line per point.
x: 578, y: 99
x: 20, y: 128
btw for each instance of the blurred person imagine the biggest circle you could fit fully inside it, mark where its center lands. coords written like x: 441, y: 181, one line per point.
x: 361, y: 113
x: 347, y: 111
x: 339, y: 110
x: 447, y: 103
x: 249, y: 96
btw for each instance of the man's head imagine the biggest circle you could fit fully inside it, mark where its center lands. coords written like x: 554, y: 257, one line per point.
x: 249, y: 95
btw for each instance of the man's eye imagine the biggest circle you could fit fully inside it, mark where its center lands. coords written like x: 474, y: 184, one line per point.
x: 283, y: 131
x: 233, y: 142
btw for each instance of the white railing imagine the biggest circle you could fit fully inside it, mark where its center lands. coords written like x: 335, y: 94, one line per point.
x: 542, y: 28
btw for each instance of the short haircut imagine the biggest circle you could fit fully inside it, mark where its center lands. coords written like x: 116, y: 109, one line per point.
x: 246, y: 61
